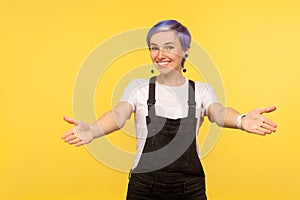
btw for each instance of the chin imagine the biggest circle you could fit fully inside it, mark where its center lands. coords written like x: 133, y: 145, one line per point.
x: 166, y: 70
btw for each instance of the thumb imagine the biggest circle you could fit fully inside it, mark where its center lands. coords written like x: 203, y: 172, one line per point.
x: 70, y: 120
x: 267, y: 109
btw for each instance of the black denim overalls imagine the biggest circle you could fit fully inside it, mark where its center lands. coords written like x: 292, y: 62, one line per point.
x: 169, y: 167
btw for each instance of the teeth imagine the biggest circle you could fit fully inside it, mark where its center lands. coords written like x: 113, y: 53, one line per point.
x: 163, y: 63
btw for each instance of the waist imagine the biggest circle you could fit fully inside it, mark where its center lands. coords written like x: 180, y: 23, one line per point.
x: 167, y: 177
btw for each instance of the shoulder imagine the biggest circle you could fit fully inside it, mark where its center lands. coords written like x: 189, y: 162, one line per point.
x: 201, y: 86
x: 204, y: 90
x: 140, y: 81
x: 136, y: 84
x: 134, y: 90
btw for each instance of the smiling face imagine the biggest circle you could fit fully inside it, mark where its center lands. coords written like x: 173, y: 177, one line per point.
x: 166, y: 52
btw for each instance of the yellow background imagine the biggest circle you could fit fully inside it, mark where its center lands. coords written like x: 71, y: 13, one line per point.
x: 254, y: 44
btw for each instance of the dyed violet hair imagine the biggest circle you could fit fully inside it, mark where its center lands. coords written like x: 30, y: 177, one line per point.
x: 181, y: 31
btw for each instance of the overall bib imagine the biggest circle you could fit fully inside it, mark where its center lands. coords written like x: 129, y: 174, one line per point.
x: 169, y: 167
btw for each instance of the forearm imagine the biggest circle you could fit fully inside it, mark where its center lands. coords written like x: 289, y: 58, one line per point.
x: 112, y: 120
x: 223, y: 116
x: 107, y: 123
x: 228, y: 118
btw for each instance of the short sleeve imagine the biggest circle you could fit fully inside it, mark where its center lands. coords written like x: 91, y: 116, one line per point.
x: 207, y: 96
x: 130, y: 93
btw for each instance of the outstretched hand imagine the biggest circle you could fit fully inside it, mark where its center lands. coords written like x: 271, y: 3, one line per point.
x: 255, y: 122
x: 79, y: 135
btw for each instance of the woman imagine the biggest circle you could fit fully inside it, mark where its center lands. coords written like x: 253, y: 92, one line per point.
x: 169, y: 109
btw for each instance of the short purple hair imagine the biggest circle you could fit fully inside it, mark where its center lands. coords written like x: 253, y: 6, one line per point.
x: 181, y: 31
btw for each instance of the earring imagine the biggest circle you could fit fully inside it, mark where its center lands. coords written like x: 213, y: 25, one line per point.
x: 185, y: 56
x: 152, y: 70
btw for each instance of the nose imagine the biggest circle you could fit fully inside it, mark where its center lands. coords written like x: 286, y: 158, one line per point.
x: 161, y: 54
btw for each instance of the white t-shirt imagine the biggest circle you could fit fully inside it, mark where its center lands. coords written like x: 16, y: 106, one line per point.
x: 171, y: 102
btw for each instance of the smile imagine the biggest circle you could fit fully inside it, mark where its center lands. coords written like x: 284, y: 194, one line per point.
x: 163, y: 63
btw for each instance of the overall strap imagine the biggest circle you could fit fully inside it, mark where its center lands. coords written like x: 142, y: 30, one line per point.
x: 191, y: 101
x: 151, y: 98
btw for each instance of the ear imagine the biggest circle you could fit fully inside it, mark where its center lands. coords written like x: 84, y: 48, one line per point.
x: 186, y: 52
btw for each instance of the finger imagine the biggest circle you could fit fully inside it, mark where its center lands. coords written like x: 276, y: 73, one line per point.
x: 268, y: 127
x: 264, y: 130
x: 67, y: 134
x: 74, y: 141
x: 69, y: 138
x: 267, y: 109
x: 257, y: 131
x: 79, y: 144
x: 70, y: 120
x: 269, y: 122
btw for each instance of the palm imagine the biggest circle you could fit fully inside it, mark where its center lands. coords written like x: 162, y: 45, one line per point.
x: 255, y: 122
x: 79, y: 135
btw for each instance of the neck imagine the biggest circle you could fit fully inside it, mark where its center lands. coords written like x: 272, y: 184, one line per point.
x: 174, y: 79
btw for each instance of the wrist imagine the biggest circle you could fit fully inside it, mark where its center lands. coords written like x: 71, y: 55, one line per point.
x: 95, y: 129
x: 239, y: 121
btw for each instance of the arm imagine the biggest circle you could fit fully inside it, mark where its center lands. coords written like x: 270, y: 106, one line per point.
x: 111, y: 121
x: 253, y: 122
x: 114, y: 119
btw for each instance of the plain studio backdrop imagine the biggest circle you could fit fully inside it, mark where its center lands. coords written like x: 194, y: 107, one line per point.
x: 254, y: 45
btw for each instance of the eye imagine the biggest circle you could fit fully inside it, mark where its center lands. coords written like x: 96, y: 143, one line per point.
x: 169, y: 47
x: 153, y: 48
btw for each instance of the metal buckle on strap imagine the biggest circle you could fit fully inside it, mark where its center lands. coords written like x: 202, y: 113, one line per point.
x: 151, y: 103
x: 192, y: 103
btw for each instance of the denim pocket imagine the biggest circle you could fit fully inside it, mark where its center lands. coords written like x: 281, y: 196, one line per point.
x: 138, y: 187
x: 195, y: 188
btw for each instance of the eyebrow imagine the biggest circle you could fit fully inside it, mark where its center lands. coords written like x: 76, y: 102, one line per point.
x: 164, y: 44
